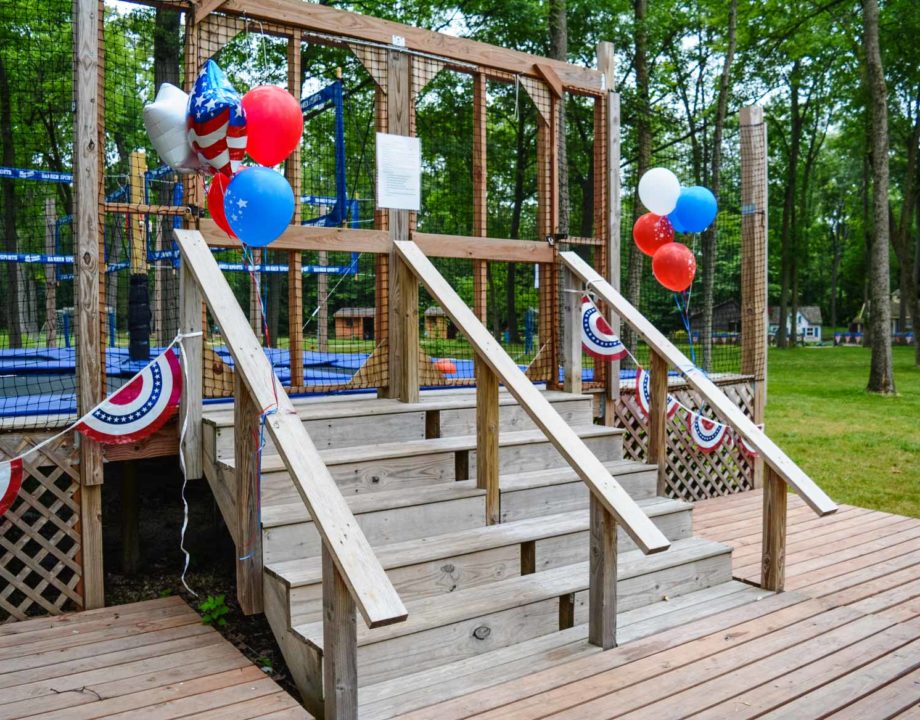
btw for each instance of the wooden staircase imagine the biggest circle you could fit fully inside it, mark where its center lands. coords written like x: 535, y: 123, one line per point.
x: 481, y: 599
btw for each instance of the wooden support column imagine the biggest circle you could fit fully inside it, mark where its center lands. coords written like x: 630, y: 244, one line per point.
x: 571, y: 330
x: 190, y: 408
x: 292, y: 171
x: 340, y: 645
x: 754, y: 322
x: 480, y: 192
x: 773, y: 558
x: 137, y: 168
x: 658, y: 420
x: 487, y: 462
x: 50, y: 275
x: 548, y: 223
x: 87, y: 286
x: 255, y: 302
x: 602, y: 592
x: 322, y: 300
x: 246, y: 419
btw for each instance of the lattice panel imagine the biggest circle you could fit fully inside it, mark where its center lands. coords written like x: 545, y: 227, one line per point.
x: 40, y: 545
x: 692, y: 474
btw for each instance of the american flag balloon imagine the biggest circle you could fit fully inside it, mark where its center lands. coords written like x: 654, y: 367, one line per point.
x: 10, y: 482
x: 644, y: 393
x: 141, y: 407
x: 216, y: 121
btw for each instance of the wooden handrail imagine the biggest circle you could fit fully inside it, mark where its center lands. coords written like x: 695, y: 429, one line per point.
x: 608, y: 492
x: 729, y: 412
x: 348, y: 548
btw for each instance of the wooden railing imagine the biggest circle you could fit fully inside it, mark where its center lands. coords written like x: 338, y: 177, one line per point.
x: 610, y: 504
x: 780, y: 470
x: 352, y: 575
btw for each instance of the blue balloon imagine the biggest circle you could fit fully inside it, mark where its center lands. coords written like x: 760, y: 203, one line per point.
x: 695, y: 211
x: 259, y: 204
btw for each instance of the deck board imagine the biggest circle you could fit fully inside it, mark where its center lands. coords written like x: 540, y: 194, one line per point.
x: 151, y: 660
x: 842, y: 641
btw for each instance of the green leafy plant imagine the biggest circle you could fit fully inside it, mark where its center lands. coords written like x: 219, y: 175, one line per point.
x: 213, y: 609
x: 265, y: 663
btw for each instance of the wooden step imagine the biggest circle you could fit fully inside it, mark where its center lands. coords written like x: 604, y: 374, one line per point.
x: 447, y: 628
x: 407, y: 513
x: 460, y: 560
x: 406, y: 693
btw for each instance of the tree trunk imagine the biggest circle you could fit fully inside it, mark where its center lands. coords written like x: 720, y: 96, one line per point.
x: 788, y: 222
x: 708, y: 244
x: 901, y: 237
x: 881, y: 373
x: 9, y: 212
x: 559, y: 50
x: 166, y: 48
x: 838, y: 236
x: 915, y: 309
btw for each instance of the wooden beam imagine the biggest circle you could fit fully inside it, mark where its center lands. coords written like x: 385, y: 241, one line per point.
x: 340, y: 645
x: 571, y: 330
x: 483, y: 248
x: 546, y: 72
x: 480, y: 191
x: 773, y: 557
x: 324, y: 19
x: 487, y: 436
x: 602, y: 590
x: 137, y: 167
x: 727, y: 411
x: 293, y: 168
x: 404, y: 363
x: 657, y: 452
x: 308, y: 238
x: 190, y: 408
x: 203, y: 8
x: 560, y: 434
x: 247, y: 421
x: 50, y: 276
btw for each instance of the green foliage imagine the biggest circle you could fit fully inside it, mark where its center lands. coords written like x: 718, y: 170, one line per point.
x: 213, y: 610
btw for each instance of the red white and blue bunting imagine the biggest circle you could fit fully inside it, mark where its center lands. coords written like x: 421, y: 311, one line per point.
x: 10, y: 482
x: 644, y: 394
x: 597, y: 337
x: 744, y: 447
x: 708, y: 435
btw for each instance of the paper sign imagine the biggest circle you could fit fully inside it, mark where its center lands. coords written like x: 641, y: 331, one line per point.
x: 399, y: 172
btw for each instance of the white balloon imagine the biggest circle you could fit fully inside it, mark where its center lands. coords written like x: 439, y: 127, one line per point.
x: 164, y: 119
x: 659, y: 189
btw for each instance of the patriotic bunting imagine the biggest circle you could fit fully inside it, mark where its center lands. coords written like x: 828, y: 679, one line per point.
x: 706, y: 434
x: 644, y: 394
x: 10, y: 482
x: 745, y: 448
x: 597, y: 337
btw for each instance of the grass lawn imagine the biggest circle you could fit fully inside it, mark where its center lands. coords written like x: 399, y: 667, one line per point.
x: 862, y: 449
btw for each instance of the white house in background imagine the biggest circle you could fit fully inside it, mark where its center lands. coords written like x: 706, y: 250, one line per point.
x: 808, y: 323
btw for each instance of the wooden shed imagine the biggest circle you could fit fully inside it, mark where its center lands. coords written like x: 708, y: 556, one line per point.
x: 437, y: 325
x: 354, y: 323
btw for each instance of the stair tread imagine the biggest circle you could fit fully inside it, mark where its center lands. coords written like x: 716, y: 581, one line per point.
x: 439, y: 610
x: 390, y: 697
x: 288, y: 513
x: 307, y: 571
x: 405, y: 448
x: 344, y: 406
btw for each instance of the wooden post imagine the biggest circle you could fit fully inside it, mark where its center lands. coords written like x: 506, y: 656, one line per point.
x: 87, y: 160
x: 190, y: 302
x: 607, y: 206
x: 487, y: 462
x: 773, y: 558
x: 137, y: 168
x: 754, y: 266
x: 602, y: 592
x: 547, y: 212
x: 255, y: 302
x: 402, y: 358
x: 571, y: 328
x: 658, y: 420
x: 50, y: 275
x: 480, y: 192
x: 322, y: 299
x: 340, y: 646
x: 249, y: 532
x: 292, y: 171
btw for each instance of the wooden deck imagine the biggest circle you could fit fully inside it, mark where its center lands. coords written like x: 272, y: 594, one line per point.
x: 842, y: 642
x: 151, y: 660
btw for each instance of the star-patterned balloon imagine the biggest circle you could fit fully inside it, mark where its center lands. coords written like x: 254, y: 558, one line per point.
x: 216, y: 121
x: 259, y: 205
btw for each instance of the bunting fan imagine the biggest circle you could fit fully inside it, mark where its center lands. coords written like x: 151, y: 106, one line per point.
x: 597, y: 337
x: 644, y: 394
x: 706, y: 434
x: 10, y: 482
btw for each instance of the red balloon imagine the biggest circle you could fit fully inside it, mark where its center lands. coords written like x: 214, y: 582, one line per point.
x: 216, y: 202
x: 674, y: 266
x: 274, y: 124
x: 651, y: 232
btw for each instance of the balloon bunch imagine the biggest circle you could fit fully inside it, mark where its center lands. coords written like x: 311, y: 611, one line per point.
x: 671, y: 208
x: 212, y: 129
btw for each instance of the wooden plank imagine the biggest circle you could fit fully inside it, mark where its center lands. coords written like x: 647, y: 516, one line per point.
x: 203, y: 8
x: 247, y: 479
x: 773, y: 555
x: 728, y: 412
x: 590, y: 469
x: 483, y: 248
x: 480, y: 190
x: 899, y: 696
x: 293, y: 168
x: 137, y: 167
x: 658, y: 420
x: 372, y: 591
x: 308, y: 238
x: 602, y: 592
x: 546, y: 73
x: 190, y: 408
x: 340, y: 648
x: 571, y: 329
x: 404, y: 336
x: 487, y: 440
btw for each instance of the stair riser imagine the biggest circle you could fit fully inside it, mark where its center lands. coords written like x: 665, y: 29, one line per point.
x: 474, y: 569
x: 411, y: 653
x: 514, y: 418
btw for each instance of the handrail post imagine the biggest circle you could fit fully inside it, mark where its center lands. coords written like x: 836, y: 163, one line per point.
x: 190, y: 304
x: 340, y: 645
x: 487, y: 462
x: 571, y: 329
x: 773, y: 556
x: 249, y: 531
x: 404, y: 339
x: 658, y: 420
x: 602, y: 591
